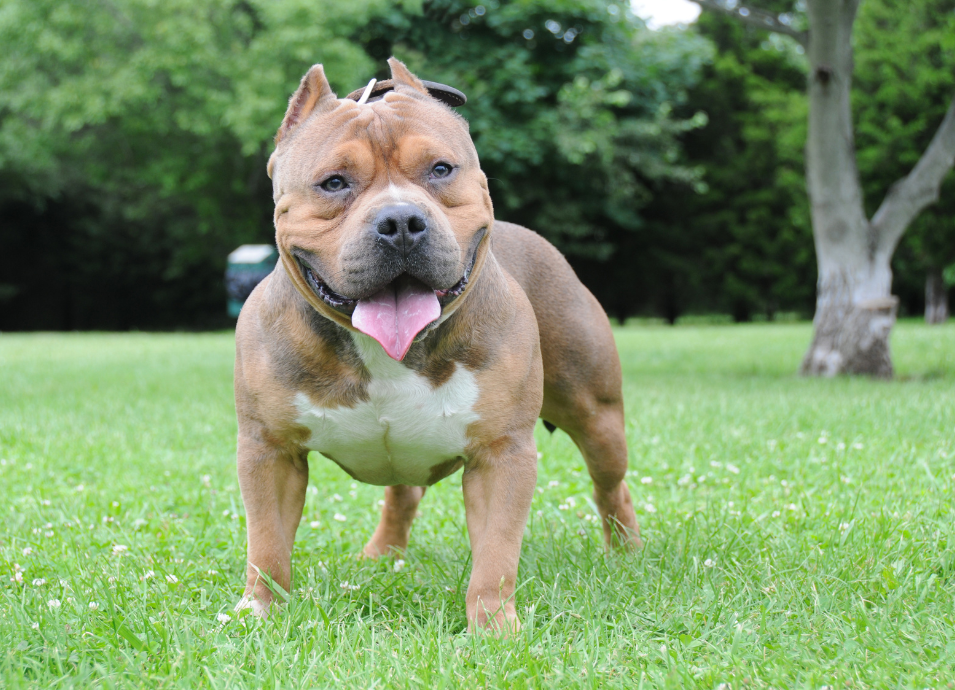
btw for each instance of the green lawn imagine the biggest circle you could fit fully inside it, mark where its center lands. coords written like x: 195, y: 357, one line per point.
x: 799, y: 533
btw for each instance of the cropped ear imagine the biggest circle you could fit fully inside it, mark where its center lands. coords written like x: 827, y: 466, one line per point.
x: 312, y: 91
x: 401, y: 75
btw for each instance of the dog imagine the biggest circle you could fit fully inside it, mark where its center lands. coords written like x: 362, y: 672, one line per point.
x: 405, y: 335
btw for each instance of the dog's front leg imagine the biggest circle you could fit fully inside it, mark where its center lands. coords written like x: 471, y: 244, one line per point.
x: 273, y: 483
x: 498, y: 489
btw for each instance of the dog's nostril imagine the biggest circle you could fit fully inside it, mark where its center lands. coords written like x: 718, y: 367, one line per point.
x: 416, y: 224
x: 388, y: 226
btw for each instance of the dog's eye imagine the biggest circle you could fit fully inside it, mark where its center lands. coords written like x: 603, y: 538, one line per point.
x: 335, y: 183
x: 440, y: 170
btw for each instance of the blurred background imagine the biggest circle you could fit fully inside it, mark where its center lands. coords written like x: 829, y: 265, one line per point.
x: 664, y: 159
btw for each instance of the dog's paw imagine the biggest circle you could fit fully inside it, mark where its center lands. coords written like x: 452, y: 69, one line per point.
x: 260, y: 609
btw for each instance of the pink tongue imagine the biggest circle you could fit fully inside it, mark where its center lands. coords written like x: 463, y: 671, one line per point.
x: 396, y: 315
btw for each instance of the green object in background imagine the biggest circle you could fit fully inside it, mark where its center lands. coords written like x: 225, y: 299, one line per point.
x: 247, y: 267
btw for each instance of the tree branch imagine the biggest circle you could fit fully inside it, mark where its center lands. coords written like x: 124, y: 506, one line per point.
x: 919, y: 188
x: 755, y: 17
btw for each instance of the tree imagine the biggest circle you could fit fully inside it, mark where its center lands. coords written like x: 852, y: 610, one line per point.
x: 855, y: 310
x: 901, y: 90
x: 134, y: 134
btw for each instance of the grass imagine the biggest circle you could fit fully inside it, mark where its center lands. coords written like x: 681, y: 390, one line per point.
x: 799, y: 533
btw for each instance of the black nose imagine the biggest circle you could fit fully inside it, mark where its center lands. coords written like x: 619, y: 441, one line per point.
x: 403, y: 226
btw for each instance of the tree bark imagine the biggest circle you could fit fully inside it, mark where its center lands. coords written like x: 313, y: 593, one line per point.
x: 936, y: 297
x: 855, y: 310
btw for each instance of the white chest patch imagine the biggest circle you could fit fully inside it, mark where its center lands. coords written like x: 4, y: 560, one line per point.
x: 403, y: 430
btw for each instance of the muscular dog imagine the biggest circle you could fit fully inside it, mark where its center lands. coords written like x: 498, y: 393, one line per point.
x: 405, y: 335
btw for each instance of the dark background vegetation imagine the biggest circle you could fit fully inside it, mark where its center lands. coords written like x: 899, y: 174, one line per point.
x: 667, y: 165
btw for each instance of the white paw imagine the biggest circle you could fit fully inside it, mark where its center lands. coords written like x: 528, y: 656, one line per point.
x: 258, y: 608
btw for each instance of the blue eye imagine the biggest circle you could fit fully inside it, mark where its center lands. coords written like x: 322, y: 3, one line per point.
x: 336, y: 183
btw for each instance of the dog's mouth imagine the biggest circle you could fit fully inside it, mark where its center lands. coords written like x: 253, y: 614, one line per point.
x: 397, y: 313
x: 346, y: 305
x: 338, y: 302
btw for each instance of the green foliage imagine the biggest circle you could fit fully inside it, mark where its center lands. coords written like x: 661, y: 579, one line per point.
x: 799, y: 533
x: 133, y: 146
x: 902, y: 90
x: 743, y: 246
x: 134, y: 135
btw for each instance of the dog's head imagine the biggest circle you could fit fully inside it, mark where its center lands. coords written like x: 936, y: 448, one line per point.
x: 382, y: 211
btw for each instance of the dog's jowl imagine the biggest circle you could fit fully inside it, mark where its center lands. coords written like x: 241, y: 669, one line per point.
x: 405, y: 334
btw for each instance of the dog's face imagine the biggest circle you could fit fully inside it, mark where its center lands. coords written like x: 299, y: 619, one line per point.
x: 370, y: 197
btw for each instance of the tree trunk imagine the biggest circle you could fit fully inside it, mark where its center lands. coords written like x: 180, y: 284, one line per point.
x: 855, y: 310
x: 936, y: 297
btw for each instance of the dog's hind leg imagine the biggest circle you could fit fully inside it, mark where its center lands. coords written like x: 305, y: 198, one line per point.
x: 601, y: 440
x: 596, y: 424
x: 394, y: 528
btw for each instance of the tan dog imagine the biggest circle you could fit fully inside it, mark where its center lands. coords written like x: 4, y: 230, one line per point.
x: 405, y: 334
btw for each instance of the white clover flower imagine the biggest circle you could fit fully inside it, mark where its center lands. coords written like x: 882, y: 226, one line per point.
x: 53, y: 603
x: 646, y: 480
x: 17, y: 578
x: 39, y: 582
x: 80, y: 487
x: 709, y: 563
x: 337, y: 498
x: 857, y: 446
x: 340, y: 518
x: 93, y: 606
x: 223, y: 618
x: 172, y: 579
x: 571, y: 502
x: 776, y: 513
x: 552, y: 483
x: 45, y: 502
x: 399, y: 564
x: 649, y: 508
x: 48, y: 533
x: 353, y: 494
x: 843, y: 526
x: 120, y: 548
x: 313, y: 524
x: 563, y: 506
x: 205, y: 479
x: 225, y: 513
x: 27, y: 551
x: 148, y: 575
x: 733, y: 469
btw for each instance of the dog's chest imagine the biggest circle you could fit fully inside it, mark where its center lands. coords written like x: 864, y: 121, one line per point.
x: 407, y: 432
